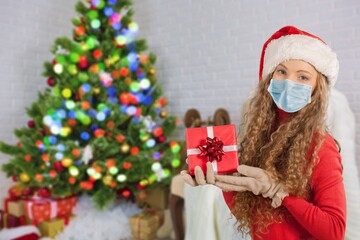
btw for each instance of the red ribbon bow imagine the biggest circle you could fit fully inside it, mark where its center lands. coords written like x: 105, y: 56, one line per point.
x: 212, y: 149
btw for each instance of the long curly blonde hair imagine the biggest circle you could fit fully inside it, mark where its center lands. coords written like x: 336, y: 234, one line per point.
x: 283, y: 150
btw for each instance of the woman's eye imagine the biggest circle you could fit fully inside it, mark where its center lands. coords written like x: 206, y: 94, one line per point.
x: 281, y: 71
x: 304, y: 78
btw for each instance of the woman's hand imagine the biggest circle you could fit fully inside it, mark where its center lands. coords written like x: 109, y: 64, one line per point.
x: 199, y: 176
x: 255, y: 180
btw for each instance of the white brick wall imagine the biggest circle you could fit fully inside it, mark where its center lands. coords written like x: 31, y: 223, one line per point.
x: 208, y: 51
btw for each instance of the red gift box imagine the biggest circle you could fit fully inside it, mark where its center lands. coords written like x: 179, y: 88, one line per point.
x: 65, y: 206
x: 11, y: 221
x: 216, y: 144
x: 41, y: 209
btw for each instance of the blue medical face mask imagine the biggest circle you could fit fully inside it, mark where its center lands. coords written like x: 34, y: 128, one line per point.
x: 288, y: 95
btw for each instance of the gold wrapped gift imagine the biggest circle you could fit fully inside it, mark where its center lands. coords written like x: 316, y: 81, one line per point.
x: 16, y: 208
x: 145, y: 224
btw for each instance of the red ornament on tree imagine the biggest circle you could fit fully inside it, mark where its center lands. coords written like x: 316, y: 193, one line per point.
x: 58, y: 166
x: 161, y: 139
x: 27, y: 192
x: 97, y: 53
x: 31, y: 124
x: 141, y: 186
x: 44, y: 192
x: 83, y: 62
x: 51, y: 82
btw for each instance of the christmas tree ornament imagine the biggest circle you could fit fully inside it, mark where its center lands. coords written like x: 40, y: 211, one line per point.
x: 152, y: 71
x: 134, y: 151
x: 96, y: 91
x: 127, y: 165
x: 161, y: 139
x: 72, y: 69
x: 126, y: 193
x: 156, y: 155
x: 67, y: 162
x: 163, y: 114
x: 175, y: 163
x: 27, y: 192
x: 74, y: 57
x: 58, y: 68
x: 83, y: 64
x: 120, y: 138
x: 144, y: 136
x: 80, y: 30
x: 112, y: 184
x: 51, y: 82
x: 45, y: 157
x: 95, y: 24
x: 121, y: 178
x: 150, y: 143
x: 66, y: 93
x: 31, y: 124
x: 107, y: 179
x: 97, y: 54
x: 124, y: 148
x: 73, y: 171
x: 157, y: 132
x: 76, y: 152
x: 58, y: 166
x: 27, y: 157
x: 24, y: 177
x: 124, y: 71
x: 44, y: 192
x: 145, y: 84
x: 72, y: 180
x: 113, y: 170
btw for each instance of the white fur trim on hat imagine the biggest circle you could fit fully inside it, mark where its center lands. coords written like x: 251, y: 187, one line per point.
x: 302, y: 47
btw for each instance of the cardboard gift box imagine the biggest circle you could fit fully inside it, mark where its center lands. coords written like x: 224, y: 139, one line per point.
x: 144, y: 236
x: 145, y: 224
x: 16, y: 207
x: 216, y: 144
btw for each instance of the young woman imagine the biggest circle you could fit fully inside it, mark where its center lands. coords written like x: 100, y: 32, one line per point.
x: 289, y: 181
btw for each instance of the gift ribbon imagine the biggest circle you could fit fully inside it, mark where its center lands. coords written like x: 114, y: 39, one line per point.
x: 210, y: 134
x: 37, y: 200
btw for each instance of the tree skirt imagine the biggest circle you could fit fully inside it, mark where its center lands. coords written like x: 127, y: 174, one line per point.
x: 90, y: 223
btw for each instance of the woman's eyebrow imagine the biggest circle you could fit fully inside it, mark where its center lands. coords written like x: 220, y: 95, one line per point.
x: 304, y: 72
x: 282, y: 66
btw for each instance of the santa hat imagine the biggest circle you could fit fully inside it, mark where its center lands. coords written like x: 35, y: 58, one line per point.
x: 292, y: 43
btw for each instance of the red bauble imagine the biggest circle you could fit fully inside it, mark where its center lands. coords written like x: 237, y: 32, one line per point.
x: 97, y: 53
x: 140, y: 186
x: 14, y: 178
x: 83, y: 62
x: 58, y: 166
x: 31, y: 124
x: 51, y: 82
x: 27, y: 192
x: 161, y: 139
x: 44, y: 192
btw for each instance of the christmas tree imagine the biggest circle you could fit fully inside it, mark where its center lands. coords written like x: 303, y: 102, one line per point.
x: 100, y: 128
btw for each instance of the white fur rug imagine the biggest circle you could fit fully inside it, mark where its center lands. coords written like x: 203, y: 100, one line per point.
x: 111, y: 223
